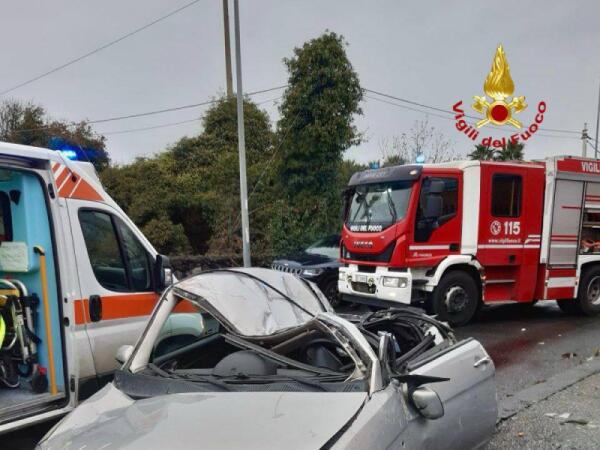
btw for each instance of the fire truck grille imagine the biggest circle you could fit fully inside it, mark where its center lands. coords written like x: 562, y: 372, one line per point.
x: 363, y: 287
x: 287, y: 269
x: 384, y: 256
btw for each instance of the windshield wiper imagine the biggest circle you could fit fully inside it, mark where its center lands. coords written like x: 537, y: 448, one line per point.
x: 187, y: 377
x: 362, y: 198
x: 392, y: 207
x: 243, y: 378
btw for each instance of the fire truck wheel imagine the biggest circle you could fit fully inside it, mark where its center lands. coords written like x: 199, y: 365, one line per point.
x: 456, y: 298
x: 588, y: 297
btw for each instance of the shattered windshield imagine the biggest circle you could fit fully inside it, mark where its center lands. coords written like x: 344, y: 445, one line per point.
x: 195, y: 352
x: 376, y: 206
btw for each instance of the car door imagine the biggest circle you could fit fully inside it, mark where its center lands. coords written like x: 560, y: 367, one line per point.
x: 469, y: 399
x: 116, y: 284
x: 431, y: 245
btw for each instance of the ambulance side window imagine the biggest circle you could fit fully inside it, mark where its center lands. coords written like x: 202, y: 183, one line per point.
x: 138, y: 259
x: 119, y: 261
x: 103, y: 249
x: 506, y: 195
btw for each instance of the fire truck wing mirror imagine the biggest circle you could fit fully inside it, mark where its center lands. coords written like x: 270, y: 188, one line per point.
x: 163, y: 274
x: 436, y: 187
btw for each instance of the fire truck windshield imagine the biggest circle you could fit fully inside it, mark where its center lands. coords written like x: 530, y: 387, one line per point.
x: 374, y: 207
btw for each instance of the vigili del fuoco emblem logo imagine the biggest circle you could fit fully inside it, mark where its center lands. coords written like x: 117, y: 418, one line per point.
x: 498, y: 107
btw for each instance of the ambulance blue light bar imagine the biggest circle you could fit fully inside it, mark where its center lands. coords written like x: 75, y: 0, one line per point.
x: 69, y: 154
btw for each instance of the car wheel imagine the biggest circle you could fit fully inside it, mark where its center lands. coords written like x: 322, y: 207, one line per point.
x: 588, y: 295
x: 456, y: 299
x: 331, y: 292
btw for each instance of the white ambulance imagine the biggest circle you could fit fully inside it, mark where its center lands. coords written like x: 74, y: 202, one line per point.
x: 77, y: 281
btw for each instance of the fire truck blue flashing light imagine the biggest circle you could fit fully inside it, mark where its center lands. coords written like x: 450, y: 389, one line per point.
x: 420, y: 159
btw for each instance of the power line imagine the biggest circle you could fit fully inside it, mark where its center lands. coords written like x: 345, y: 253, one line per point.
x: 169, y: 124
x: 98, y: 49
x: 422, y: 105
x: 410, y: 102
x: 154, y: 112
x: 471, y: 117
x: 152, y: 127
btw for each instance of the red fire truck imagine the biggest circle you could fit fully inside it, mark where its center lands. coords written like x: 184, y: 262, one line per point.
x: 462, y: 234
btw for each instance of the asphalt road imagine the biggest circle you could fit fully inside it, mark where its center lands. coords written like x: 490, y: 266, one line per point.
x: 527, y: 343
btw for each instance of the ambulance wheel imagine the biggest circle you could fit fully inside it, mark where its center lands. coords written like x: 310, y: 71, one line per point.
x: 588, y: 296
x: 456, y: 299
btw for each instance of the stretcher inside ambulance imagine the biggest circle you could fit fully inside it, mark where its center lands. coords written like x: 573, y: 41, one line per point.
x: 77, y: 281
x: 32, y: 370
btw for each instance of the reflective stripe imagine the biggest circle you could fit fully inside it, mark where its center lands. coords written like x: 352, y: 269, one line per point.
x: 561, y: 282
x: 118, y: 306
x: 429, y: 247
x: 509, y: 246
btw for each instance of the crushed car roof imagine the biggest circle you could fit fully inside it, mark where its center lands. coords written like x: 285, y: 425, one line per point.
x: 248, y: 300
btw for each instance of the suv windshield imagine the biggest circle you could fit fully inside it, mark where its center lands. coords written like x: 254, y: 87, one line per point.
x: 328, y: 246
x: 374, y: 207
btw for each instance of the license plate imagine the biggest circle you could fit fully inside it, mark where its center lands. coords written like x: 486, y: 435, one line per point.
x: 361, y: 278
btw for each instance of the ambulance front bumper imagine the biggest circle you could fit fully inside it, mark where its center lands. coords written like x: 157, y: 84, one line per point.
x: 388, y: 286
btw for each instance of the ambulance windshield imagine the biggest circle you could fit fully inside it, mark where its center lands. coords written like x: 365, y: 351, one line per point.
x: 374, y: 207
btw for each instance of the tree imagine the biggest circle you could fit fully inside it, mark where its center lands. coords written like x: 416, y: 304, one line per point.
x: 316, y: 127
x: 483, y: 153
x: 28, y: 124
x: 187, y: 198
x: 513, y: 151
x: 421, y: 140
x: 147, y: 192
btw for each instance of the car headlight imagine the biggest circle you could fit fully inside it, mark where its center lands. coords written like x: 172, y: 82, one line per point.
x: 394, y: 282
x: 312, y: 272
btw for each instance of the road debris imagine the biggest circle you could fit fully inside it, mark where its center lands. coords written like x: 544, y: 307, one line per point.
x: 569, y: 355
x: 575, y: 420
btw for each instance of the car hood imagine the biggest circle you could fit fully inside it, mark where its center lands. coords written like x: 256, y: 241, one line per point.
x: 230, y: 420
x: 304, y: 259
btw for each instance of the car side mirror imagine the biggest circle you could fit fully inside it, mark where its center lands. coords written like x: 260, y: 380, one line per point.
x: 163, y: 274
x: 124, y: 353
x: 427, y: 402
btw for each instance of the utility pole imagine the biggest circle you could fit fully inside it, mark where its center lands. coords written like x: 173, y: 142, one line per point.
x: 241, y: 138
x: 597, y: 124
x: 584, y: 138
x: 228, y: 73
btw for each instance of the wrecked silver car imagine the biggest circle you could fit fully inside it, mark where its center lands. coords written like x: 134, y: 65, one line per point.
x: 255, y: 358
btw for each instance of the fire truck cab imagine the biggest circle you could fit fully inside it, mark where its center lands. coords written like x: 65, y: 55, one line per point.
x: 77, y: 281
x: 462, y: 234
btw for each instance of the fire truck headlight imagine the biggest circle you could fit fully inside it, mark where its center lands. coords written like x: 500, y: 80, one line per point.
x: 341, y: 276
x: 394, y: 282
